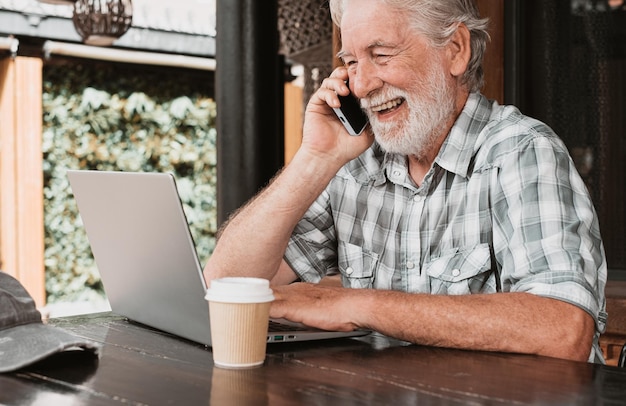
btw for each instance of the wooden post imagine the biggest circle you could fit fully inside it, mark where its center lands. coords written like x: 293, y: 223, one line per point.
x: 493, y: 64
x: 21, y: 174
x: 249, y: 92
x: 293, y: 120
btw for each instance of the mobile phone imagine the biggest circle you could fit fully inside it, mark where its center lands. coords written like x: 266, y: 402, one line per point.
x: 351, y: 115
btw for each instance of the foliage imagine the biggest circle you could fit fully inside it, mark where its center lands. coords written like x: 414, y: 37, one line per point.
x: 106, y: 117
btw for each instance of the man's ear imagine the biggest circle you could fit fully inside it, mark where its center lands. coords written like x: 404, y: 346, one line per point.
x: 459, y: 50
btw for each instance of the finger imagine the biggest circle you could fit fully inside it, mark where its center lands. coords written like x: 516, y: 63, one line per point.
x: 339, y: 72
x: 325, y: 96
x: 335, y: 84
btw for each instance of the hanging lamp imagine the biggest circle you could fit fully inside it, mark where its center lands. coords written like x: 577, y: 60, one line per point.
x: 100, y: 22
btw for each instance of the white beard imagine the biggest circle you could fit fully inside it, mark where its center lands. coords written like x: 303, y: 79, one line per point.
x: 429, y: 109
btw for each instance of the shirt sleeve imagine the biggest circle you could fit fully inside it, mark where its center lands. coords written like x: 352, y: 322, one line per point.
x: 546, y: 234
x: 312, y: 248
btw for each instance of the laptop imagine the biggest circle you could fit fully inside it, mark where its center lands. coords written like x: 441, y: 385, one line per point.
x: 147, y: 258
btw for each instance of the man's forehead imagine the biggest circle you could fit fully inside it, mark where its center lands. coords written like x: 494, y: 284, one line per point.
x: 367, y: 14
x: 373, y: 22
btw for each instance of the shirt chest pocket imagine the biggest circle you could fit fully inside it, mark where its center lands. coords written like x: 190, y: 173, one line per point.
x: 357, y: 266
x: 462, y: 271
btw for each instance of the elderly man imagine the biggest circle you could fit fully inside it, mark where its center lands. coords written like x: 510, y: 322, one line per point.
x: 452, y: 221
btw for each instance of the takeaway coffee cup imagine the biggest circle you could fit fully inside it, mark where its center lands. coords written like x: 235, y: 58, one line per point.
x: 239, y: 313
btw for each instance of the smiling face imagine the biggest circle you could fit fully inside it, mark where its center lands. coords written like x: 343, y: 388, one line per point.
x: 407, y: 87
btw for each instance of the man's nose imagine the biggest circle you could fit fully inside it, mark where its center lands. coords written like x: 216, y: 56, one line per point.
x: 365, y: 80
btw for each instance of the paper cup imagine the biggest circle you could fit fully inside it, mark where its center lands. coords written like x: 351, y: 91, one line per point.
x: 239, y: 314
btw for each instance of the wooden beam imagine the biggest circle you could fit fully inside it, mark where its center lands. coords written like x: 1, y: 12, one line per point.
x: 21, y: 174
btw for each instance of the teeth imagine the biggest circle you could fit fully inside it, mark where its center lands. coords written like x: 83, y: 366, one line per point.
x: 387, y: 106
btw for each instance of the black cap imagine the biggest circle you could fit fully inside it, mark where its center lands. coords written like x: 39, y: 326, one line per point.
x: 24, y: 338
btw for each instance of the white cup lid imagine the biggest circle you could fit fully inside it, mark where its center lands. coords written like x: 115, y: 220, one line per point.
x: 240, y: 290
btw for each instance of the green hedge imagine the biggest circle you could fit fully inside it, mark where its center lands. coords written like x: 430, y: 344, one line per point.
x: 111, y: 117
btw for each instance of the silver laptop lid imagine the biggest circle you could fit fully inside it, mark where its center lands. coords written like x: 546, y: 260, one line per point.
x: 147, y: 259
x: 144, y: 251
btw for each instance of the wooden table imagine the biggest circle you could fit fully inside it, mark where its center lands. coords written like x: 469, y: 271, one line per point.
x: 141, y: 366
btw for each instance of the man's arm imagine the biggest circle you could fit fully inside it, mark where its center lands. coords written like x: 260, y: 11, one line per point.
x: 506, y: 322
x: 254, y: 240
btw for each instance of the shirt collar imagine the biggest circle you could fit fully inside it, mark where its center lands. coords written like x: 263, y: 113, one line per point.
x: 459, y: 147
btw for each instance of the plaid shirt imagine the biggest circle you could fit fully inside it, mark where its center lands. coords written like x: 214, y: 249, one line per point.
x: 502, y: 209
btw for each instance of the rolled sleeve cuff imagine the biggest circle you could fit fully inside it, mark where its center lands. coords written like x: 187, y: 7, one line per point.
x: 571, y: 289
x: 304, y: 260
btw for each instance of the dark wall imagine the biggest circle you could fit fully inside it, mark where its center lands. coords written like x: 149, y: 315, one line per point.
x: 569, y: 70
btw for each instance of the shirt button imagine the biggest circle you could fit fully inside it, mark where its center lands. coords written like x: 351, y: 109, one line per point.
x: 456, y: 272
x: 397, y: 173
x: 410, y: 265
x: 417, y: 198
x: 349, y: 271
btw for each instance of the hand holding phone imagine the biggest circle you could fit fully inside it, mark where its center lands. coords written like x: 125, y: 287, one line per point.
x: 350, y: 114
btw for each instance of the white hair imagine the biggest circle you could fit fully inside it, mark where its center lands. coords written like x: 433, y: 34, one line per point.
x: 438, y: 20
